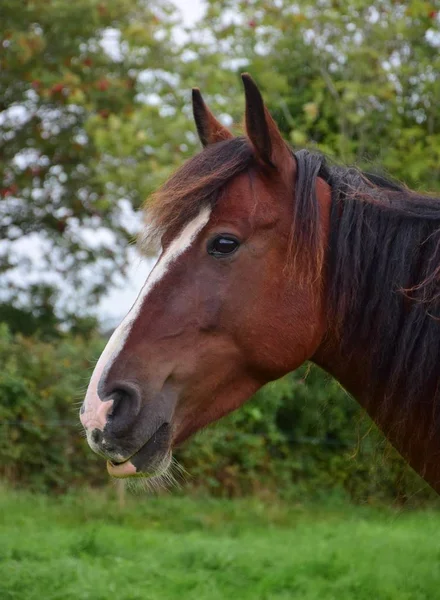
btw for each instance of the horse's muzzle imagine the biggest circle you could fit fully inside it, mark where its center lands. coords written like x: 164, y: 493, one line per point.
x: 151, y: 459
x: 132, y: 432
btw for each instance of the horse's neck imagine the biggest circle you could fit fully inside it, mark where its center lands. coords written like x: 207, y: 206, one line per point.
x: 407, y: 428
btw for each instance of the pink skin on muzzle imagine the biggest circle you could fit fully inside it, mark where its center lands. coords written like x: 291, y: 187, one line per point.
x: 126, y: 469
x: 98, y: 418
x: 96, y: 411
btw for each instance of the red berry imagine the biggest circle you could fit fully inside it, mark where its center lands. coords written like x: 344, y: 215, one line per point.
x: 12, y: 189
x: 57, y: 88
x: 103, y: 85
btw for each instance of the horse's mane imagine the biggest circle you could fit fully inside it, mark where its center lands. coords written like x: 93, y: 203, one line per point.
x: 383, y: 279
x: 382, y: 261
x: 384, y: 282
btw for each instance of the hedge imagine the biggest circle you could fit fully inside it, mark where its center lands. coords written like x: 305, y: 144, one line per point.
x: 301, y: 436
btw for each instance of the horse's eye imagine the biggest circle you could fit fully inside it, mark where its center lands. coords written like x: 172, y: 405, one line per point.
x: 223, y: 245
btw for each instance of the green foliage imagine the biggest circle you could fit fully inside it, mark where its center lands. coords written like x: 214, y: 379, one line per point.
x: 302, y: 436
x: 299, y: 437
x: 356, y: 80
x: 69, y: 81
x: 40, y: 318
x: 40, y: 441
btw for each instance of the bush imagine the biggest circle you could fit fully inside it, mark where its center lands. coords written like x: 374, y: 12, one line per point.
x: 300, y: 436
x: 40, y: 441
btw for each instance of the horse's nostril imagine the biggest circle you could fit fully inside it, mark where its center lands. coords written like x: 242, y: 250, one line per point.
x: 96, y: 436
x: 125, y: 407
x: 117, y: 397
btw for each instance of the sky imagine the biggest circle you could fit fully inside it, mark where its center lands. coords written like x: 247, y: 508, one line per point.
x: 191, y: 10
x: 117, y: 303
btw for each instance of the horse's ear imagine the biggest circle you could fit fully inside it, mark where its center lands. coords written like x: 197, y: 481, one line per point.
x: 269, y: 146
x: 209, y: 129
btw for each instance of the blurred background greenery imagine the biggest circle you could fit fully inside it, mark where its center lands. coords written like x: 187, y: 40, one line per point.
x: 94, y: 114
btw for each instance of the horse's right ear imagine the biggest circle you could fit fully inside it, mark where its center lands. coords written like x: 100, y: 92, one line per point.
x: 270, y: 148
x: 209, y: 129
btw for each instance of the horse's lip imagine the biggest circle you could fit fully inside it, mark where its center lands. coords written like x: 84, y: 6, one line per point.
x: 126, y: 468
x: 117, y: 463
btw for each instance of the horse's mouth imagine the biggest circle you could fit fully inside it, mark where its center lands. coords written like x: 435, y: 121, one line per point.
x: 152, y: 459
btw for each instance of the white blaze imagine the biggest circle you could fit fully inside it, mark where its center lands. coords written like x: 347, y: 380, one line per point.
x: 95, y: 411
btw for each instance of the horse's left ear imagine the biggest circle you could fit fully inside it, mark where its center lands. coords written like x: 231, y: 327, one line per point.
x: 210, y: 130
x: 269, y: 146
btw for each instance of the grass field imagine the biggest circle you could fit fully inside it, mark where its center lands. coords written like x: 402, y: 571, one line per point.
x: 86, y: 546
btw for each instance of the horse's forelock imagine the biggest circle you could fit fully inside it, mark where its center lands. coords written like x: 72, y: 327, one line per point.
x: 194, y: 185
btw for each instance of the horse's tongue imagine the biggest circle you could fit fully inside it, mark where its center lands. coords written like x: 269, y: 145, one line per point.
x: 125, y: 469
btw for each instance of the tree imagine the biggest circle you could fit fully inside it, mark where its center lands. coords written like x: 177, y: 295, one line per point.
x: 358, y: 81
x: 70, y: 79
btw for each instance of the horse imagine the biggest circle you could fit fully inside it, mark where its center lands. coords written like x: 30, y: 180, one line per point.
x: 272, y: 257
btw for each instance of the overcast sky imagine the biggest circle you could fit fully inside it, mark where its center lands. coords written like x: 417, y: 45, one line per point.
x: 191, y: 9
x: 117, y: 303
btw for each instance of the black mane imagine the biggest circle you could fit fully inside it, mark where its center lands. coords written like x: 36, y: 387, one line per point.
x: 383, y: 269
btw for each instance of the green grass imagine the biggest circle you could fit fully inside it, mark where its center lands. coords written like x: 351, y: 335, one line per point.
x: 85, y: 546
